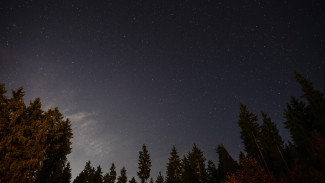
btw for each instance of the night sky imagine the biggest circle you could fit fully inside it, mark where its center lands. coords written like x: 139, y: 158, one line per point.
x: 159, y: 73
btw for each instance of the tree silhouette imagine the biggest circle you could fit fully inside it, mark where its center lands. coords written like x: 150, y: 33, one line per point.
x: 212, y: 173
x: 249, y: 130
x: 133, y: 180
x: 227, y: 164
x: 122, y: 178
x: 144, y: 164
x: 111, y: 176
x: 160, y: 178
x: 173, y: 167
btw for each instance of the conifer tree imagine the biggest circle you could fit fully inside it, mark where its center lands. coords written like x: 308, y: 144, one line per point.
x: 98, y: 175
x: 316, y: 104
x: 212, y: 173
x: 272, y: 146
x: 305, y: 122
x: 122, y: 178
x: 250, y: 171
x: 227, y: 164
x: 197, y: 163
x: 160, y: 178
x: 59, y: 146
x: 249, y: 130
x: 87, y: 175
x: 111, y: 176
x: 173, y: 167
x: 144, y: 164
x: 66, y: 174
x: 133, y: 180
x: 188, y: 173
x: 151, y: 180
x: 24, y: 138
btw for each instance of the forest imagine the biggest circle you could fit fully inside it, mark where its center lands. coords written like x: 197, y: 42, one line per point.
x: 34, y: 145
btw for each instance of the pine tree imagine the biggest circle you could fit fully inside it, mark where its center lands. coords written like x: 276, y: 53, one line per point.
x: 87, y: 175
x: 272, y: 146
x: 197, y: 163
x: 305, y: 122
x: 160, y: 178
x: 316, y: 104
x: 59, y: 146
x: 212, y: 173
x: 188, y: 173
x: 122, y: 178
x: 151, y: 180
x: 133, y: 180
x: 98, y: 177
x: 250, y: 171
x: 144, y: 164
x: 227, y: 164
x: 24, y: 138
x: 66, y: 174
x: 173, y: 167
x: 111, y: 176
x: 249, y: 130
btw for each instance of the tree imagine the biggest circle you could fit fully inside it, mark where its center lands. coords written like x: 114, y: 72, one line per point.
x: 151, y: 180
x: 25, y: 140
x: 87, y: 175
x: 188, y: 173
x: 98, y: 177
x: 196, y: 163
x: 173, y: 167
x: 133, y: 180
x: 305, y: 120
x: 316, y: 104
x: 144, y: 164
x: 249, y: 130
x: 111, y: 176
x: 272, y: 146
x: 212, y: 173
x: 160, y: 178
x: 66, y: 174
x: 59, y: 146
x: 122, y: 178
x: 250, y: 171
x: 227, y: 164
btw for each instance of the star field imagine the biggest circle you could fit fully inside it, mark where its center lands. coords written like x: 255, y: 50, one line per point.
x: 159, y: 73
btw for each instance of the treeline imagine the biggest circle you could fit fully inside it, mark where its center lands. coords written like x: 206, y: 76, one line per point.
x: 34, y: 145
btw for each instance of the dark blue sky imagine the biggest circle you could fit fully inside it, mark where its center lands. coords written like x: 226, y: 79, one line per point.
x: 159, y: 73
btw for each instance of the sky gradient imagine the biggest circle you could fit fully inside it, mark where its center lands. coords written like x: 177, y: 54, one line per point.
x: 159, y: 73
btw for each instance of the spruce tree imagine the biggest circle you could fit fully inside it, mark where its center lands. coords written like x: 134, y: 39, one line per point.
x: 98, y: 175
x: 197, y: 163
x: 122, y: 178
x: 212, y: 173
x: 151, y: 180
x: 316, y: 104
x: 144, y: 164
x: 111, y: 176
x: 66, y: 174
x: 133, y: 180
x: 305, y: 121
x: 24, y: 139
x: 173, y: 167
x: 227, y: 164
x: 59, y: 146
x: 272, y: 146
x: 249, y: 131
x: 188, y: 173
x: 250, y: 171
x: 160, y: 178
